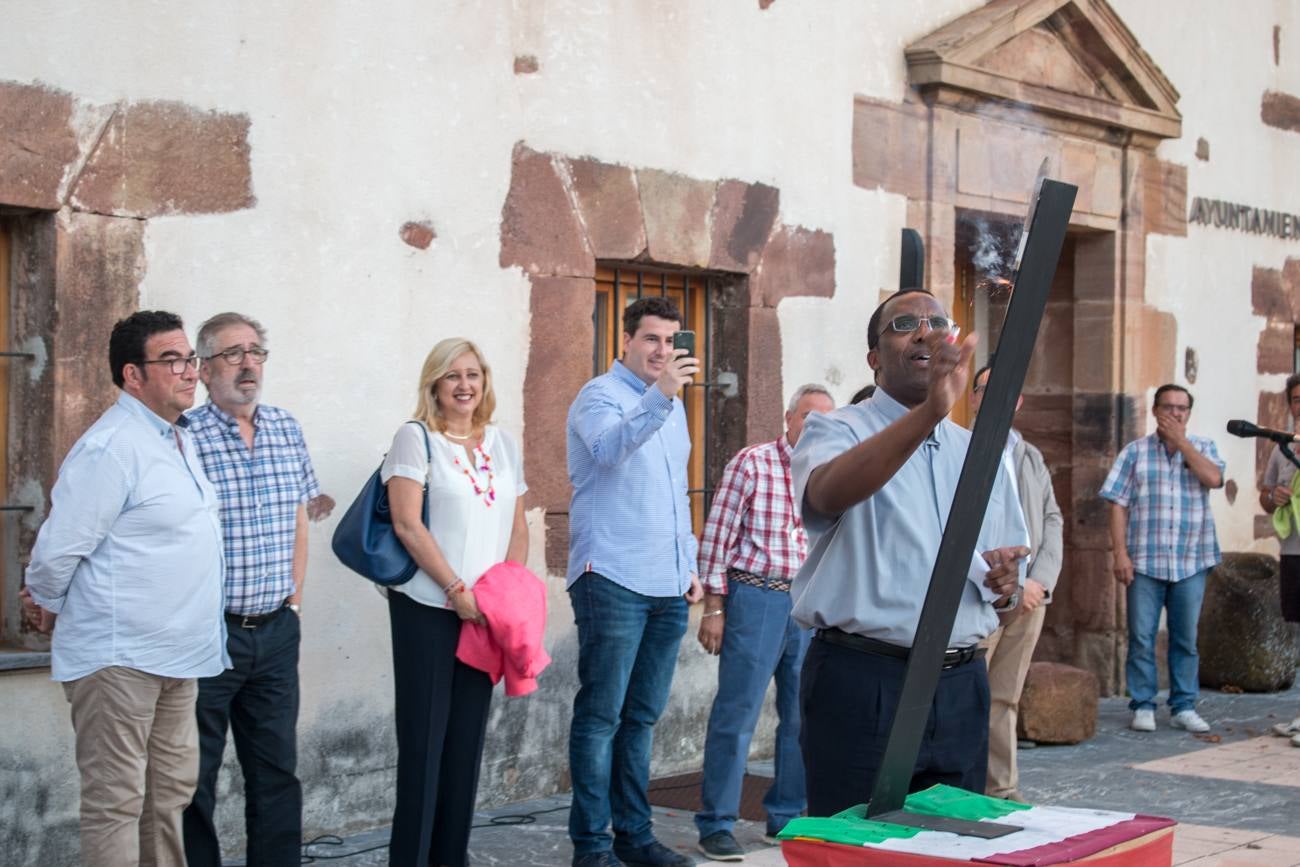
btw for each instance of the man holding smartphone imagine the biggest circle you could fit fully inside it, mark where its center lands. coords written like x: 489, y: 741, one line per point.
x: 631, y: 576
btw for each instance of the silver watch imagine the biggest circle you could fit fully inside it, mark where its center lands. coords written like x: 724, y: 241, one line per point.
x: 1012, y: 601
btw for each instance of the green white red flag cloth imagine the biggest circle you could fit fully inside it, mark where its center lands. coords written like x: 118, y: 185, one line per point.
x: 1049, y: 835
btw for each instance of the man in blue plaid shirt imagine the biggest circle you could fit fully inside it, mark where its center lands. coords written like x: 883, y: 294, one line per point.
x: 256, y: 458
x: 1164, y: 545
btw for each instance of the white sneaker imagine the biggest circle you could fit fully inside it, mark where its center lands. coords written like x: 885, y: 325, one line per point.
x: 1286, y: 730
x: 1190, y: 720
x: 1295, y: 740
x: 1144, y: 720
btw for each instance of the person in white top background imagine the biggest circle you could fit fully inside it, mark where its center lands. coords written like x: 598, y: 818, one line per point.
x: 475, y: 478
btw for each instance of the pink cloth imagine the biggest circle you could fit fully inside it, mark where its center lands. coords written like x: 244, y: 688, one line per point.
x: 513, y: 601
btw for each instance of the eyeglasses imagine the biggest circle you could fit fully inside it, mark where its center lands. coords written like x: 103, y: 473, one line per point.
x: 234, y: 356
x: 1173, y: 407
x: 906, y: 324
x: 177, y: 364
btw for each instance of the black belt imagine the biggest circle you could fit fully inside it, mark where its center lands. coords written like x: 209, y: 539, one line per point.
x: 781, y: 584
x: 252, y: 621
x: 953, y: 658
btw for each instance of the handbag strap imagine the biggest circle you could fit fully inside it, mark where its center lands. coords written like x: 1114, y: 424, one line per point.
x: 428, y: 471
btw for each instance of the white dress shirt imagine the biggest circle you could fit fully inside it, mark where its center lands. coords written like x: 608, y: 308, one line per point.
x: 130, y: 555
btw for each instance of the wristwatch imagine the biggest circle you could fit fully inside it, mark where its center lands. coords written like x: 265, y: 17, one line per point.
x: 1012, y: 601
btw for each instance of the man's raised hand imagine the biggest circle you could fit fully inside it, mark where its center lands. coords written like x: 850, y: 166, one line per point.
x: 677, y: 373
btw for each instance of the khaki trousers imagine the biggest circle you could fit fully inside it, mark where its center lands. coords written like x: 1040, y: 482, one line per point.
x: 1010, y: 650
x: 138, y: 756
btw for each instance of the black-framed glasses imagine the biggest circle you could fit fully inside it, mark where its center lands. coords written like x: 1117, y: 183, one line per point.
x: 234, y: 356
x: 177, y: 364
x: 907, y: 323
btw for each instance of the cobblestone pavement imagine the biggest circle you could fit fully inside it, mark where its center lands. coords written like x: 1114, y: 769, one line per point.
x: 1235, y: 793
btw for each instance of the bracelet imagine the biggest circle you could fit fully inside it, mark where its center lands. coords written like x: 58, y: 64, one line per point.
x: 712, y: 613
x: 454, y: 587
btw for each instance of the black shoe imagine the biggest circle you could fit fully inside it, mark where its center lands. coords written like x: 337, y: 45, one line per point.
x: 596, y: 859
x: 653, y: 854
x: 721, y: 846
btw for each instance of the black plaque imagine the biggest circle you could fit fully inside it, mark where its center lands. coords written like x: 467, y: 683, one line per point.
x: 1046, y: 233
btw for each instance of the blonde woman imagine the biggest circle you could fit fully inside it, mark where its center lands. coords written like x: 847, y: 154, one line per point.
x: 476, y: 519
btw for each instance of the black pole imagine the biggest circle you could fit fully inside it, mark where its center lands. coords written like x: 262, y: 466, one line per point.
x: 911, y: 266
x: 970, y: 501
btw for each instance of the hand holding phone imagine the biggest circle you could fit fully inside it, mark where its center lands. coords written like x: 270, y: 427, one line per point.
x: 682, y: 366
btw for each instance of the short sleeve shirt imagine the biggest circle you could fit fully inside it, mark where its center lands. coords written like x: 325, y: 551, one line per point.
x: 1170, y: 527
x: 868, y: 570
x: 1279, y: 472
x: 471, y: 500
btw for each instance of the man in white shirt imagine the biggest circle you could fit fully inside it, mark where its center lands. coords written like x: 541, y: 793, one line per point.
x: 129, y: 561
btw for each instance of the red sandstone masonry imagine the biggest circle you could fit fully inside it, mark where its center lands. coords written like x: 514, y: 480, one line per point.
x: 158, y: 158
x: 419, y: 235
x: 610, y: 206
x: 37, y: 144
x: 1280, y: 110
x: 678, y: 211
x: 540, y: 231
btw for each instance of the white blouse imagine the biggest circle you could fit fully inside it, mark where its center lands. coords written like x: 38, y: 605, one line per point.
x: 471, y: 503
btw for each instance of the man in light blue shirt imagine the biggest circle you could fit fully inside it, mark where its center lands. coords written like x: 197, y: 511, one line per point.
x: 129, y: 561
x: 874, y: 482
x: 631, y: 575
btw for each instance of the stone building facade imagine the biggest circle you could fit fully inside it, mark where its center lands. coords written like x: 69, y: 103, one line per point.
x: 367, y: 183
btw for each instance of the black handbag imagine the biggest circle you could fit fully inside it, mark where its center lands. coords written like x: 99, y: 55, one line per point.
x: 364, y: 539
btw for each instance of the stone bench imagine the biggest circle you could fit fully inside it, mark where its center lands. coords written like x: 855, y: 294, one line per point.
x: 1058, y: 705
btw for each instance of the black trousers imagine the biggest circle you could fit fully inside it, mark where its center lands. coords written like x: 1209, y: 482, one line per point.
x: 1289, y: 587
x: 441, y: 708
x: 847, y: 700
x: 258, y: 700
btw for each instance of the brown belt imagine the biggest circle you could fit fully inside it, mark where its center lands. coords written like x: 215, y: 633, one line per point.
x: 758, y: 580
x: 953, y: 658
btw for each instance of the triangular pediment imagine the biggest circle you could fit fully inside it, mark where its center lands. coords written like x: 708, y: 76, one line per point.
x: 1072, y: 58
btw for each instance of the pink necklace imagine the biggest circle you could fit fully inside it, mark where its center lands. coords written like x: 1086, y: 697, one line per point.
x: 488, y: 493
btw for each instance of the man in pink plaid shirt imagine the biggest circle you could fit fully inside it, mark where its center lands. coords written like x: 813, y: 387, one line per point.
x: 753, y: 545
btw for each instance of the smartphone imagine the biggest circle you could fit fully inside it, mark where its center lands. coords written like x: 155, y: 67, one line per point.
x: 685, y: 340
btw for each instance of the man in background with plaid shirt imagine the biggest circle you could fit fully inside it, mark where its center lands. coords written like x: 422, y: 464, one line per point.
x: 1164, y: 544
x: 256, y: 458
x: 753, y: 545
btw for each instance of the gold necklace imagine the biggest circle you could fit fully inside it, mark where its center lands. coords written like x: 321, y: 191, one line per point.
x: 448, y: 433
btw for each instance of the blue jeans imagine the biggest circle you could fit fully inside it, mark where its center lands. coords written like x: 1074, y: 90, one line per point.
x: 1182, y: 603
x: 627, y: 650
x: 759, y: 642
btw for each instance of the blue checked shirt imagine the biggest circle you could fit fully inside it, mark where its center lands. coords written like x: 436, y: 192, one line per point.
x: 1170, y: 529
x: 630, y: 519
x: 260, y: 492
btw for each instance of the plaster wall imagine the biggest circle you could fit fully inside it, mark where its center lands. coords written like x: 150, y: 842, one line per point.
x: 361, y: 122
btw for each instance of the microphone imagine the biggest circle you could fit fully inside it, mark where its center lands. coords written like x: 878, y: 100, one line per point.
x: 1241, y: 428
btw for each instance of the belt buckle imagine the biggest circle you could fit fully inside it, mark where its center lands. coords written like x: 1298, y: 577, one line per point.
x: 957, y: 657
x: 249, y: 621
